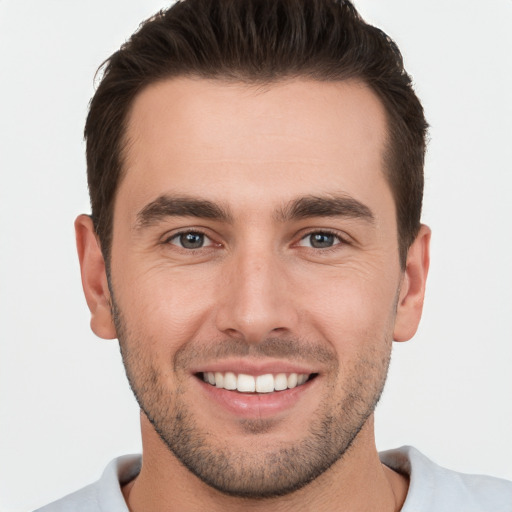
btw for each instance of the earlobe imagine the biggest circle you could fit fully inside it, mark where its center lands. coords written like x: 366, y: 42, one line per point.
x: 412, y: 290
x: 94, y: 278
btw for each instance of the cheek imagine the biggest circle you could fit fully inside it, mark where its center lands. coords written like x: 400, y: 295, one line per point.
x: 165, y: 306
x: 354, y: 309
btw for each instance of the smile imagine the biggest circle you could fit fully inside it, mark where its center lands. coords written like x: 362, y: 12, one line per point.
x: 267, y: 383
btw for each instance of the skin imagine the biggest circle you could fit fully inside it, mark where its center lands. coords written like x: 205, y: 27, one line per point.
x: 258, y: 292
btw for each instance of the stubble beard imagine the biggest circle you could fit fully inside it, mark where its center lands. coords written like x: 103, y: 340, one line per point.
x: 275, y: 470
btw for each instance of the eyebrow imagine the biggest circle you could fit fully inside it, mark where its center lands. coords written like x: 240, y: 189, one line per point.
x: 301, y: 208
x: 169, y: 206
x: 325, y: 206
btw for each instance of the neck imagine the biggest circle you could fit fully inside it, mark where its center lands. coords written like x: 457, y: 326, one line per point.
x: 356, y: 482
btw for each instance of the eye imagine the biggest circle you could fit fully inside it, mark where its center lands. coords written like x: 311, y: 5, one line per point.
x: 190, y: 240
x: 320, y: 240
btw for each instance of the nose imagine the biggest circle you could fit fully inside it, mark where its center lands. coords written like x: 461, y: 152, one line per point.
x: 257, y: 297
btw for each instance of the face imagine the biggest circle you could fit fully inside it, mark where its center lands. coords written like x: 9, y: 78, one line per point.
x: 255, y: 276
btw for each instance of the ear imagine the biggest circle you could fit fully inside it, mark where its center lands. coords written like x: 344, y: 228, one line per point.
x: 412, y: 289
x: 94, y: 278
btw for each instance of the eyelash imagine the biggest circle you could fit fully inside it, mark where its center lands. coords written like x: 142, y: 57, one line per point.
x: 174, y: 236
x: 340, y: 240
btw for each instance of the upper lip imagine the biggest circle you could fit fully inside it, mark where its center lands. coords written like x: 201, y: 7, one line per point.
x: 254, y: 367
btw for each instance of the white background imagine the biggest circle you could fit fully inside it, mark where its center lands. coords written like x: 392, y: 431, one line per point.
x: 65, y: 406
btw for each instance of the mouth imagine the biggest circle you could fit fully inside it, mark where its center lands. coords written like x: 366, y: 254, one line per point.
x: 255, y: 384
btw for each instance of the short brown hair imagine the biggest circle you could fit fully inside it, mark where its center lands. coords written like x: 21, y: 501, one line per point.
x: 258, y: 41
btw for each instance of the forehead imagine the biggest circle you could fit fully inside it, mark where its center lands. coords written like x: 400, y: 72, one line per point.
x: 237, y: 142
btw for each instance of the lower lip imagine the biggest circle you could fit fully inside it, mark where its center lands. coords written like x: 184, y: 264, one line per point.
x: 256, y: 405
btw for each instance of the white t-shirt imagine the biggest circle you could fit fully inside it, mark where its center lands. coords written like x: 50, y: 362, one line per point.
x: 431, y: 488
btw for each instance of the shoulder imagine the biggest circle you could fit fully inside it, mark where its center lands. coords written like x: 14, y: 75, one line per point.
x: 434, y: 488
x: 84, y: 500
x: 105, y: 495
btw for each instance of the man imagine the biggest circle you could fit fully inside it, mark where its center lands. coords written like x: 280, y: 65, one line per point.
x: 256, y: 175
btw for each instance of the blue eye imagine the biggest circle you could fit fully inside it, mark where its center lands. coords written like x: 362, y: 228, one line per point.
x: 320, y: 240
x: 190, y: 240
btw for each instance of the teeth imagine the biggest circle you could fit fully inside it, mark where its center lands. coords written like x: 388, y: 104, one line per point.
x: 230, y: 381
x: 280, y: 382
x: 219, y: 379
x: 292, y: 380
x: 246, y: 383
x: 301, y: 379
x: 266, y: 383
